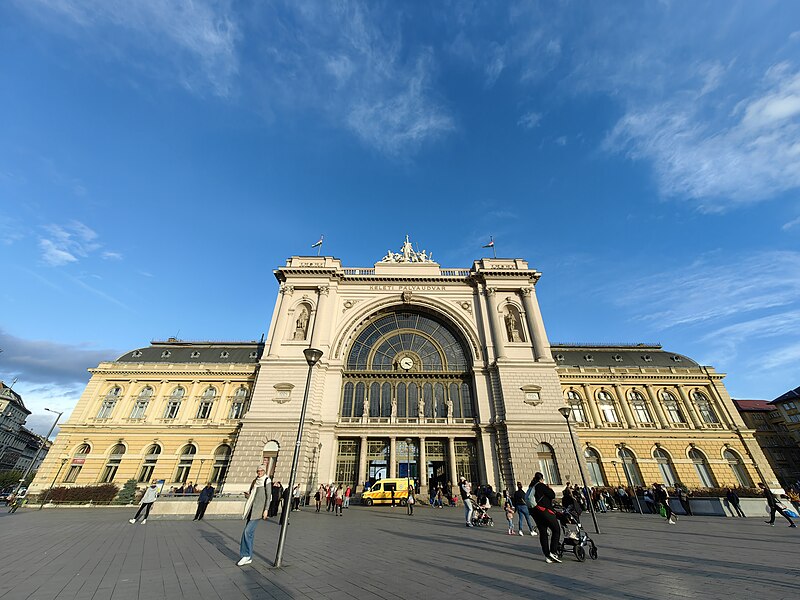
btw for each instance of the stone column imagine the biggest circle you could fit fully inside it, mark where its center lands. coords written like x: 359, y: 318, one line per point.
x: 689, y: 408
x: 541, y: 348
x: 592, y: 402
x: 451, y: 451
x: 423, y: 466
x: 494, y: 322
x: 279, y: 333
x: 626, y: 407
x: 362, y: 463
x: 319, y: 337
x: 392, y: 457
x: 657, y: 408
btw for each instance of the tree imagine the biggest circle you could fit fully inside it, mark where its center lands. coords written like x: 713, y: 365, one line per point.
x: 127, y: 493
x: 9, y: 479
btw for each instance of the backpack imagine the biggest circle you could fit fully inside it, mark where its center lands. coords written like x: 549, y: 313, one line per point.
x: 530, y: 497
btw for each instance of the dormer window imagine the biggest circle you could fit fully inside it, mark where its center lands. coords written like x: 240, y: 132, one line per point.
x: 136, y: 353
x: 166, y: 354
x: 647, y: 358
x: 676, y: 358
x: 224, y: 354
x: 560, y: 357
x: 617, y: 357
x: 588, y: 358
x: 195, y: 354
x: 254, y: 354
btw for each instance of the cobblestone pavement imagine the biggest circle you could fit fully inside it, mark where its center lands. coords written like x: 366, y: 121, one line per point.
x: 379, y: 552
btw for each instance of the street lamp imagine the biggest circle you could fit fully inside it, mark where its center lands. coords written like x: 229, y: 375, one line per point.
x: 312, y: 357
x: 620, y: 447
x: 50, y: 489
x: 41, y: 445
x: 408, y: 460
x: 566, y: 411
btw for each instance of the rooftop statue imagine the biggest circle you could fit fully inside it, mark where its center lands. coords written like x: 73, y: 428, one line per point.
x: 407, y: 254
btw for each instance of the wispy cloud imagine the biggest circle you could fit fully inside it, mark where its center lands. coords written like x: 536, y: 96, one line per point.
x: 68, y: 243
x: 530, y: 120
x: 791, y: 224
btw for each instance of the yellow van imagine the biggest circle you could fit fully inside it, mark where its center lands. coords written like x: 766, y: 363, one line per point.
x: 381, y: 492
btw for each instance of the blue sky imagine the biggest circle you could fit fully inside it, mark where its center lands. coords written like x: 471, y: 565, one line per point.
x: 159, y: 159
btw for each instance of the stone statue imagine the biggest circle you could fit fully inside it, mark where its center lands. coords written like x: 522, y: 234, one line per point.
x: 449, y: 404
x: 407, y: 254
x: 301, y: 325
x: 512, y: 328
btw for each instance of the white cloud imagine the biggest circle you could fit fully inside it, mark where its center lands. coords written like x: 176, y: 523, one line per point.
x: 65, y: 244
x: 111, y: 256
x: 530, y: 120
x: 561, y: 140
x: 788, y: 355
x: 791, y: 224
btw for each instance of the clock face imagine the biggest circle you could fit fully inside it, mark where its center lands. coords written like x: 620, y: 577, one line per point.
x: 406, y: 363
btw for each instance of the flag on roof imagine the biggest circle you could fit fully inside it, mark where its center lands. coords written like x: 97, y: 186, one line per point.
x: 490, y: 244
x: 319, y: 243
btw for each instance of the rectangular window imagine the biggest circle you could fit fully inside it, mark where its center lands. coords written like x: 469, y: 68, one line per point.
x: 106, y: 409
x: 237, y: 410
x: 204, y: 410
x: 109, y: 473
x: 609, y: 413
x: 73, y: 473
x: 578, y: 414
x: 642, y: 413
x: 171, y: 411
x: 138, y: 410
x: 674, y: 412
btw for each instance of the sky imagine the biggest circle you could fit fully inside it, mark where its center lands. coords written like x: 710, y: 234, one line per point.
x: 158, y: 159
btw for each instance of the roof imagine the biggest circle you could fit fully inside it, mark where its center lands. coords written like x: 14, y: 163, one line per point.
x: 8, y: 394
x: 618, y: 355
x: 790, y: 395
x: 753, y: 405
x: 180, y: 351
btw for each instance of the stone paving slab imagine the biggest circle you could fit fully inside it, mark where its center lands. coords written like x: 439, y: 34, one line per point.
x: 379, y: 552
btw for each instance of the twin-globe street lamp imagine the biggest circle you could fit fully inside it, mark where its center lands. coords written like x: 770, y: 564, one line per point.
x: 566, y: 411
x: 312, y: 357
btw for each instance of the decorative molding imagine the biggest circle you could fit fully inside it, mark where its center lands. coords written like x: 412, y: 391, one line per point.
x: 526, y: 292
x: 324, y: 290
x: 532, y: 394
x: 283, y: 392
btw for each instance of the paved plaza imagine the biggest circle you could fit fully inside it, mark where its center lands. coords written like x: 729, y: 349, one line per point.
x: 379, y: 552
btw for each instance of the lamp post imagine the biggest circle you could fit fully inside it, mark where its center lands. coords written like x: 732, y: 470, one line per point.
x: 41, y: 445
x: 312, y: 357
x: 50, y: 489
x: 565, y: 412
x: 620, y: 448
x: 408, y: 460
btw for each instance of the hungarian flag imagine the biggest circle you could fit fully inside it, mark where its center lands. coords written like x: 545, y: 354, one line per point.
x: 490, y: 244
x: 319, y: 243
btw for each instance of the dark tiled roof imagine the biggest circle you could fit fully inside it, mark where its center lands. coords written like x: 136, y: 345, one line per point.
x: 634, y: 355
x: 758, y: 405
x: 12, y: 396
x: 790, y: 395
x: 176, y: 351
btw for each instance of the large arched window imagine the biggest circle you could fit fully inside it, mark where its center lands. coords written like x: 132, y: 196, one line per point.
x: 631, y: 467
x: 206, y: 403
x: 737, y: 466
x: 142, y: 401
x: 607, y: 408
x: 238, y: 403
x: 174, y: 403
x: 78, y: 460
x: 640, y: 408
x: 665, y: 467
x: 547, y: 464
x: 222, y: 458
x: 114, y: 460
x: 149, y: 465
x: 109, y: 402
x: 576, y: 404
x: 705, y: 409
x: 672, y: 409
x: 407, y: 365
x: 185, y: 463
x: 702, y: 467
x: 594, y: 466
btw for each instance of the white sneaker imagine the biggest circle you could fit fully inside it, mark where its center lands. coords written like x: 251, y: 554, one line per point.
x: 534, y: 534
x: 554, y: 558
x: 245, y: 560
x: 131, y: 521
x: 520, y: 532
x: 671, y: 522
x: 547, y: 559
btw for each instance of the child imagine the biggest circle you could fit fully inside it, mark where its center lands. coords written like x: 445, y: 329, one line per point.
x: 509, y: 509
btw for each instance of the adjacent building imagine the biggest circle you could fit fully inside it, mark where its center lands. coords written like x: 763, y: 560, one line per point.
x: 774, y: 436
x: 19, y: 446
x: 426, y: 372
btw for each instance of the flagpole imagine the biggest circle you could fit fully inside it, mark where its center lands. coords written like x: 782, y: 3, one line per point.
x: 494, y: 248
x: 319, y: 249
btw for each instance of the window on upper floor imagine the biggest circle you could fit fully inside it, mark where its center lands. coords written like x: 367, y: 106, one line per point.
x: 705, y: 409
x: 109, y: 402
x: 142, y: 402
x: 607, y: 407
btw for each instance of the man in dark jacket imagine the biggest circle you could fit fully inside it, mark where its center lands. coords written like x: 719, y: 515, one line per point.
x: 772, y: 503
x: 733, y: 501
x: 206, y: 495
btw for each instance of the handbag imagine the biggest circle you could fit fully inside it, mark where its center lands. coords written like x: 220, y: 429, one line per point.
x: 662, y: 511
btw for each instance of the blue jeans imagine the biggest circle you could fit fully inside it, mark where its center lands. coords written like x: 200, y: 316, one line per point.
x: 468, y: 510
x: 522, y: 509
x: 246, y: 545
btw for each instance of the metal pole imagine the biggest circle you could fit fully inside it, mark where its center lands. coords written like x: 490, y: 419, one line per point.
x: 50, y: 489
x: 295, y: 458
x: 36, y: 456
x: 583, y: 479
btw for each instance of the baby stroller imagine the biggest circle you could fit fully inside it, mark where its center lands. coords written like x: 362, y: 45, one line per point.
x: 481, y: 518
x: 575, y: 537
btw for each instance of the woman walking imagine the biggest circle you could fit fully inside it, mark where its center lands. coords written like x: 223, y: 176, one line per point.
x: 338, y: 500
x: 521, y: 506
x: 410, y: 500
x: 146, y: 503
x: 255, y: 509
x: 545, y: 517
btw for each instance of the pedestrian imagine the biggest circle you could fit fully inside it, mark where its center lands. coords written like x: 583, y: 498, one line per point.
x: 206, y: 495
x: 683, y: 498
x: 410, y: 500
x: 329, y: 497
x: 255, y: 509
x: 179, y: 491
x: 521, y: 508
x: 347, y: 493
x: 545, y: 517
x: 275, y: 498
x: 733, y: 501
x: 439, y: 495
x: 296, y: 497
x: 318, y: 498
x: 146, y: 503
x: 392, y: 493
x: 649, y: 502
x: 662, y: 500
x: 508, y: 508
x: 189, y: 488
x: 466, y: 491
x: 774, y: 506
x: 338, y: 499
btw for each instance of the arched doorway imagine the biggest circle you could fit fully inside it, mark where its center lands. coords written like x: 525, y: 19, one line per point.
x: 270, y: 454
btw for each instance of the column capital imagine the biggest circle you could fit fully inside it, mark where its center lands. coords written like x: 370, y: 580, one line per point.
x: 324, y: 290
x: 286, y: 289
x: 491, y: 291
x: 526, y: 292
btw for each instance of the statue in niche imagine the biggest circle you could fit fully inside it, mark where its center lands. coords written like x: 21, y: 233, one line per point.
x: 301, y: 325
x: 449, y: 409
x: 512, y: 326
x: 394, y: 407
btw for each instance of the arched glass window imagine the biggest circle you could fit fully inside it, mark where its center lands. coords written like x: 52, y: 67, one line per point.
x: 386, y: 400
x: 631, y: 467
x: 141, y: 403
x: 576, y: 404
x: 739, y: 470
x: 427, y: 398
x: 665, y: 467
x: 413, y: 400
x: 238, y: 403
x: 347, y: 399
x: 402, y: 404
x: 375, y: 400
x: 206, y: 403
x: 607, y: 408
x: 109, y: 401
x: 455, y: 398
x: 702, y: 467
x: 185, y: 463
x: 671, y: 407
x: 114, y: 460
x: 595, y: 468
x: 174, y: 403
x: 547, y: 464
x: 271, y: 449
x: 440, y: 407
x: 705, y: 409
x: 640, y: 408
x: 148, y: 466
x: 361, y: 392
x: 78, y: 460
x: 222, y: 458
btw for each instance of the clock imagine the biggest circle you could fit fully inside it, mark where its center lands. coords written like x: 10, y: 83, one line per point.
x: 406, y: 363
